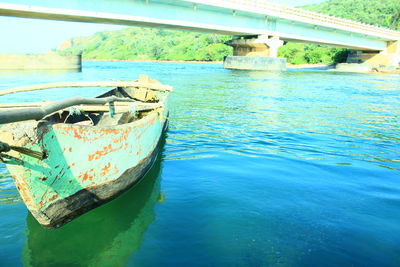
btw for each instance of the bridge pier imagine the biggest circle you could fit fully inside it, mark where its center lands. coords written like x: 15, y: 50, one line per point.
x: 255, y: 53
x: 388, y: 58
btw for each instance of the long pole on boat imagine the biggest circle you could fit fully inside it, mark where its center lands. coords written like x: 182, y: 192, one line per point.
x: 149, y: 85
x: 36, y: 113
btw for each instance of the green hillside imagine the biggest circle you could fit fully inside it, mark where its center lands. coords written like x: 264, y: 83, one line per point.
x: 383, y: 13
x: 145, y: 43
x: 160, y: 44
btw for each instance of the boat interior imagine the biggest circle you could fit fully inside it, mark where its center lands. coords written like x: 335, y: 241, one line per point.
x: 112, y: 114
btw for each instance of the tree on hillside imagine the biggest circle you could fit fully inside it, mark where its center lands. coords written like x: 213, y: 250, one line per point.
x: 383, y: 13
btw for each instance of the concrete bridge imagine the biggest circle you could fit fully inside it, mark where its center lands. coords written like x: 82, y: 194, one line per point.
x: 261, y: 27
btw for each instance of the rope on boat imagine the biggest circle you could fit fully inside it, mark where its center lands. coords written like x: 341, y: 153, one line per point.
x: 4, y: 147
x: 133, y: 110
x: 74, y: 111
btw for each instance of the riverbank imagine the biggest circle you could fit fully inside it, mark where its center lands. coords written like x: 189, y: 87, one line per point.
x: 350, y: 68
x: 330, y: 67
x: 311, y: 66
x: 155, y: 60
x: 366, y: 68
x: 373, y: 71
x: 288, y: 65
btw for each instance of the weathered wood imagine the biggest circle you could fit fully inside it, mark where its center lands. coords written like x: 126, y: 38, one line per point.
x: 23, y: 105
x: 88, y: 107
x: 37, y: 113
x: 119, y: 108
x: 149, y: 85
x: 105, y: 108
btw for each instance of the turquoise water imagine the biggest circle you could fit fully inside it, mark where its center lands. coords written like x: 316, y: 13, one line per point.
x: 299, y: 168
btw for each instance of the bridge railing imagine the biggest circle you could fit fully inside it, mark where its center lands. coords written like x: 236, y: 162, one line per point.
x: 301, y: 14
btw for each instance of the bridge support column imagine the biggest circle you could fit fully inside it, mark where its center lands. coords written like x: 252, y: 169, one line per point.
x: 260, y: 53
x: 388, y: 58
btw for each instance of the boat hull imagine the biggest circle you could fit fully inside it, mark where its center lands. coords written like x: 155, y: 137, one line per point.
x: 86, y: 166
x: 66, y: 209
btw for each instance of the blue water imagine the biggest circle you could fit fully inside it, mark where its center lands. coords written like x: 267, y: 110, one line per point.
x: 299, y: 168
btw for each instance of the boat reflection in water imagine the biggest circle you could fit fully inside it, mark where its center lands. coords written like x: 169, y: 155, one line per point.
x: 106, y: 236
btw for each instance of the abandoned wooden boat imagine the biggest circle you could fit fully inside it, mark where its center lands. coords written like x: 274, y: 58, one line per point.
x: 70, y: 156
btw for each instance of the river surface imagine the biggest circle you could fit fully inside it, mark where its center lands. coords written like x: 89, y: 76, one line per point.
x: 298, y: 168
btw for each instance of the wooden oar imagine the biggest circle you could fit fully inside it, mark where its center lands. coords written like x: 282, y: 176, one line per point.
x: 37, y: 113
x: 149, y: 85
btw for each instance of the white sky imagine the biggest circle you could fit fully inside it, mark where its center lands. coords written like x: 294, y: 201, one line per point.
x: 18, y: 35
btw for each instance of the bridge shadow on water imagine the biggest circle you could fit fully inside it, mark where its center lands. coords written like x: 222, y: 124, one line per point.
x: 106, y: 236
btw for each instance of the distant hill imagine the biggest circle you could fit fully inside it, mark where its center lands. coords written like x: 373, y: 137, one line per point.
x: 160, y: 44
x: 383, y: 13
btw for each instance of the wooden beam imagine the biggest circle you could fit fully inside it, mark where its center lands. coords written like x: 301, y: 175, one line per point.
x: 149, y: 85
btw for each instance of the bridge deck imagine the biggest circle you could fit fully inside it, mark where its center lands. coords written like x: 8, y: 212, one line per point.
x: 301, y: 15
x: 232, y: 17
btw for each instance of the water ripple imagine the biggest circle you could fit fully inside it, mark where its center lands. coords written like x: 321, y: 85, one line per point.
x: 8, y: 191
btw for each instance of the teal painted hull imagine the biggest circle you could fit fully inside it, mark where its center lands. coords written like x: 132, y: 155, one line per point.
x: 124, y: 221
x: 86, y: 165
